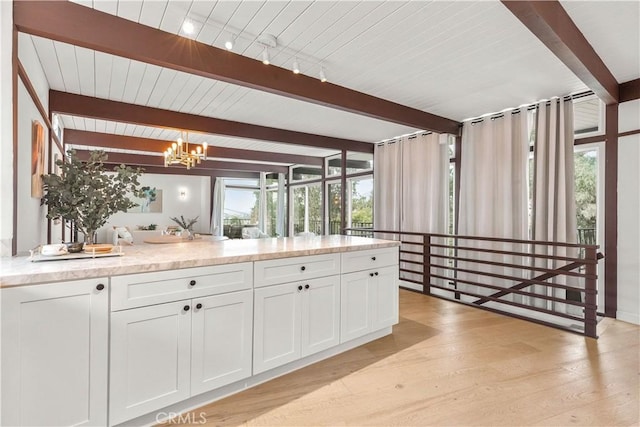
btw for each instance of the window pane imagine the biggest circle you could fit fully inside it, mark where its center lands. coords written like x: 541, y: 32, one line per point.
x: 334, y: 165
x: 586, y: 116
x: 305, y: 173
x: 240, y: 210
x: 586, y: 185
x: 307, y: 208
x: 335, y: 208
x: 360, y: 205
x: 359, y: 162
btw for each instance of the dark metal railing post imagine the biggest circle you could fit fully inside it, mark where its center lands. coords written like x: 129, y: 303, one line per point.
x: 590, y: 320
x: 426, y: 264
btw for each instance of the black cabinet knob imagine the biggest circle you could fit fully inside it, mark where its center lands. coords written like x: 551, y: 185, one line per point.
x: 306, y: 286
x: 100, y: 287
x: 186, y: 308
x: 198, y: 306
x: 371, y: 274
x: 299, y: 288
x: 373, y: 258
x: 303, y: 268
x: 376, y: 273
x: 192, y: 283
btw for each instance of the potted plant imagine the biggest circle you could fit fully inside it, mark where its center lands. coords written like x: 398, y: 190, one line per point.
x: 86, y: 195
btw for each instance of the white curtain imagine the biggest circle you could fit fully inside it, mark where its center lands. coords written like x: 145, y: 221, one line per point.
x: 411, y: 190
x: 217, y: 217
x: 493, y: 193
x: 554, y: 208
x: 262, y: 202
x: 280, y: 216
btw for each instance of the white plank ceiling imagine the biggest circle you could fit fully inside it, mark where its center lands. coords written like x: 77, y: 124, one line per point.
x: 451, y: 58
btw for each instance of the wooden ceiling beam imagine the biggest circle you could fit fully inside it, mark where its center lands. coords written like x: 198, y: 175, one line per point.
x: 551, y: 23
x: 158, y: 161
x: 109, y: 140
x: 630, y: 90
x: 97, y: 108
x: 89, y: 28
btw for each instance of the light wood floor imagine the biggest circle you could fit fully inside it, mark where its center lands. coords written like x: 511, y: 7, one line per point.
x: 447, y: 364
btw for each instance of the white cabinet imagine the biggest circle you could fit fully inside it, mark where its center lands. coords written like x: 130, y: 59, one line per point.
x: 165, y: 353
x: 222, y: 329
x: 54, y: 354
x: 150, y: 352
x: 369, y: 298
x: 295, y: 320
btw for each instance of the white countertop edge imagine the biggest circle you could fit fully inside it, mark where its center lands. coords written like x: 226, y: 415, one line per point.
x: 20, y: 271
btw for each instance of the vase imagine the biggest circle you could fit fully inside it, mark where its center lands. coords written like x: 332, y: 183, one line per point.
x: 189, y: 234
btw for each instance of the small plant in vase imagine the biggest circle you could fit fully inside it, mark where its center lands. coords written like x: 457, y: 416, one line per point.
x: 186, y: 224
x: 86, y: 195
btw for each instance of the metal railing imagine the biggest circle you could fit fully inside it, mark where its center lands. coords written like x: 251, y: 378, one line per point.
x: 551, y: 283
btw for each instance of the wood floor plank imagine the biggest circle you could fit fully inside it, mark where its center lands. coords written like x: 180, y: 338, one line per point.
x: 448, y: 364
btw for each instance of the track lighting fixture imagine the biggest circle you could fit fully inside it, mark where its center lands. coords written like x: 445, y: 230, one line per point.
x: 229, y: 43
x: 296, y: 67
x: 323, y: 77
x: 265, y: 56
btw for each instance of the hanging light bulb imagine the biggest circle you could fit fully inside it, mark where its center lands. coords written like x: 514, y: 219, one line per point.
x: 323, y: 77
x: 179, y: 153
x: 265, y: 56
x: 296, y: 67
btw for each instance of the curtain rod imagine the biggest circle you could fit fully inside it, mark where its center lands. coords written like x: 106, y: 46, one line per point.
x: 529, y: 108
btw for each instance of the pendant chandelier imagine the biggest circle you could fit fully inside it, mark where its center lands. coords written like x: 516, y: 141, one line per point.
x: 179, y: 153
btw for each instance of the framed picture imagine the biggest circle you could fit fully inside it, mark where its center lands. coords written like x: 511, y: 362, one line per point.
x: 37, y: 159
x: 150, y: 203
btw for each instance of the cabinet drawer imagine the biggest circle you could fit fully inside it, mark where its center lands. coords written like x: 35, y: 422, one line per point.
x: 371, y: 258
x: 136, y: 290
x: 277, y: 271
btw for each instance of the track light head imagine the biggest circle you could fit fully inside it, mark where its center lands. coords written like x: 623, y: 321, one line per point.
x: 265, y: 56
x: 323, y: 77
x: 296, y: 67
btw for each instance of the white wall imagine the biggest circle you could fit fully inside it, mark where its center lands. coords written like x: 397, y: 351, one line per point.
x: 6, y: 129
x: 31, y: 220
x: 629, y: 214
x: 196, y: 203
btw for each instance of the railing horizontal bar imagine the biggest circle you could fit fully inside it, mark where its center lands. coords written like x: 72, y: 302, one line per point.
x: 522, y: 254
x: 410, y: 261
x: 404, y: 270
x: 506, y: 313
x: 514, y: 304
x: 406, y: 242
x: 511, y: 278
x: 487, y: 239
x: 512, y: 291
x: 417, y: 282
x: 411, y: 252
x: 515, y: 266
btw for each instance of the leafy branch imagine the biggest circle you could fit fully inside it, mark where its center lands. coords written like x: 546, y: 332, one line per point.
x: 185, y: 224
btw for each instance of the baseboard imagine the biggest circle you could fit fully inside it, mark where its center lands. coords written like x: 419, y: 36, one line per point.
x: 628, y: 317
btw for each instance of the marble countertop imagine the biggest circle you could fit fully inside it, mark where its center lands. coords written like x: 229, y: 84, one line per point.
x: 17, y: 271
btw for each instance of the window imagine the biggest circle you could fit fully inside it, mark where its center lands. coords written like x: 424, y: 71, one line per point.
x: 306, y: 208
x: 588, y: 116
x: 359, y: 162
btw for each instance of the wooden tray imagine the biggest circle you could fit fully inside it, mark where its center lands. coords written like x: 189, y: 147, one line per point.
x: 36, y: 256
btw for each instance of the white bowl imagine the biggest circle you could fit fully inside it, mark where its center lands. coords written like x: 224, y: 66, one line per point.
x: 54, y: 250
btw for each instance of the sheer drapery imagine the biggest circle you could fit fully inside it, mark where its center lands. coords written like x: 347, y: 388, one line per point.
x: 262, y: 202
x: 493, y: 192
x: 554, y: 208
x: 410, y: 184
x: 217, y: 215
x: 280, y: 215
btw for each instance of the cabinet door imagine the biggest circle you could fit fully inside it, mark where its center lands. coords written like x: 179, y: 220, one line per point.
x: 320, y: 314
x: 276, y: 326
x: 385, y: 304
x: 150, y: 357
x: 221, y: 340
x: 355, y: 305
x: 54, y: 354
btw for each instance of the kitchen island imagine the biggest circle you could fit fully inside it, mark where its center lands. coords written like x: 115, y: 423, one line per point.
x: 165, y: 328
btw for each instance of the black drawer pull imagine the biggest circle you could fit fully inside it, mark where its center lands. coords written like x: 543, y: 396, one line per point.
x: 371, y: 274
x: 100, y: 287
x: 186, y: 308
x: 299, y: 288
x: 198, y: 306
x: 192, y: 283
x: 376, y: 273
x: 303, y: 268
x: 373, y: 258
x: 306, y: 286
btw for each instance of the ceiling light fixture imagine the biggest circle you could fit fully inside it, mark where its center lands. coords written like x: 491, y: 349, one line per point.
x: 179, y: 154
x: 296, y: 67
x: 268, y: 41
x: 229, y: 43
x: 188, y: 27
x: 323, y: 77
x: 265, y: 56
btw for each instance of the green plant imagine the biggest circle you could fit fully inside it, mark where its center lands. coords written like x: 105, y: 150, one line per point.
x: 185, y: 224
x: 86, y: 194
